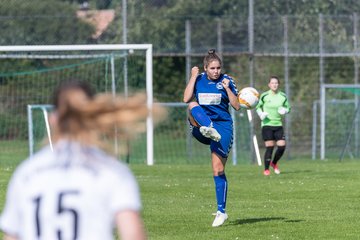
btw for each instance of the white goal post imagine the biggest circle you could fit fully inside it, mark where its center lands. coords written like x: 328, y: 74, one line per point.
x: 44, y: 109
x: 107, y: 47
x: 323, y: 101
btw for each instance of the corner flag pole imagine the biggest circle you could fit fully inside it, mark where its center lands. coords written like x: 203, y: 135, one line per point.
x: 254, y: 138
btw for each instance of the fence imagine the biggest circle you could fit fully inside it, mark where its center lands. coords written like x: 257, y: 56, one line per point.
x: 305, y: 51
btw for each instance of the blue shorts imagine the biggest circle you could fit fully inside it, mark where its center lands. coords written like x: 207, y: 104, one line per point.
x: 223, y: 147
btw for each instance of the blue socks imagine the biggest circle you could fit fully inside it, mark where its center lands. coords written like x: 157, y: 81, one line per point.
x: 221, y: 191
x: 200, y: 116
x: 220, y: 181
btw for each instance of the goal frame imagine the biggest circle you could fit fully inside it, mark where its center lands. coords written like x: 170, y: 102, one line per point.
x: 30, y: 108
x: 108, y: 47
x: 323, y: 110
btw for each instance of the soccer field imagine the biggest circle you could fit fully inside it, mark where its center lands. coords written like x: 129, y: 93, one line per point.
x: 309, y: 200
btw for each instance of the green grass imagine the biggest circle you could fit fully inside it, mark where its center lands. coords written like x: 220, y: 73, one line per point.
x: 309, y: 200
x: 12, y: 152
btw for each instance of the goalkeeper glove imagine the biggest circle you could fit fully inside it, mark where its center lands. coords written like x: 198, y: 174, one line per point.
x: 282, y: 110
x: 262, y: 115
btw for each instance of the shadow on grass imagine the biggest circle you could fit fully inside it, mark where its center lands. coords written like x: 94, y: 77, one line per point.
x: 294, y: 221
x: 256, y: 220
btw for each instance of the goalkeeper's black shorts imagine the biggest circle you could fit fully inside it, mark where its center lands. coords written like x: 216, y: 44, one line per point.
x: 274, y: 133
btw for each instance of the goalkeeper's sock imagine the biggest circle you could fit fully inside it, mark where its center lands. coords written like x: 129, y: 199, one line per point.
x: 200, y: 116
x: 221, y: 192
x: 268, y: 156
x: 278, y: 154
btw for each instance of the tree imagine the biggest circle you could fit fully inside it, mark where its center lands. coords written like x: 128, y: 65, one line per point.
x: 42, y: 22
x: 100, y: 4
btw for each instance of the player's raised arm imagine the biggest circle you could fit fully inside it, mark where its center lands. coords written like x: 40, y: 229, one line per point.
x: 189, y: 90
x: 232, y: 97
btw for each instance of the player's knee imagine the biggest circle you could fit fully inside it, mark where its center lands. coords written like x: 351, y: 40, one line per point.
x: 192, y: 121
x: 192, y: 104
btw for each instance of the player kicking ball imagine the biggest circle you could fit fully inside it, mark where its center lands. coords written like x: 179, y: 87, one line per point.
x: 211, y: 122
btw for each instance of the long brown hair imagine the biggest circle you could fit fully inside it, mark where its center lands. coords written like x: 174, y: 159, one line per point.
x: 90, y: 118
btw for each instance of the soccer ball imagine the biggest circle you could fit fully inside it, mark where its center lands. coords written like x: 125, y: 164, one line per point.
x: 248, y: 97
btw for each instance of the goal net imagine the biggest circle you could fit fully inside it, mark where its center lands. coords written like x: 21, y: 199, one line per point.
x: 28, y: 75
x: 338, y: 133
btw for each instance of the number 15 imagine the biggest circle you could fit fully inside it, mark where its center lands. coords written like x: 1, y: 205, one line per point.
x: 61, y: 209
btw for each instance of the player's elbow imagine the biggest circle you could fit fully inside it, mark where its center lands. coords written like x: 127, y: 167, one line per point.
x: 186, y: 99
x: 236, y: 105
x: 237, y: 108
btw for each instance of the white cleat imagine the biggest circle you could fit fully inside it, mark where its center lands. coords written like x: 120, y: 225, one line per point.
x: 219, y: 219
x: 211, y: 133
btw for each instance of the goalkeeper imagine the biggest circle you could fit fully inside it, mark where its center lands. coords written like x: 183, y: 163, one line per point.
x: 272, y: 106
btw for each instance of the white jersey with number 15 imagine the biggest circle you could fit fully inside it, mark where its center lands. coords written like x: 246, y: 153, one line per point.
x: 73, y: 192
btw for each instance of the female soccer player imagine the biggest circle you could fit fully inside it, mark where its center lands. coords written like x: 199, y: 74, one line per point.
x: 272, y: 106
x: 78, y: 191
x: 211, y: 122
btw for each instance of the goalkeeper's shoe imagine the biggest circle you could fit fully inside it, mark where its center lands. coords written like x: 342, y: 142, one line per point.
x: 219, y: 219
x: 275, y: 167
x: 266, y: 172
x: 211, y: 133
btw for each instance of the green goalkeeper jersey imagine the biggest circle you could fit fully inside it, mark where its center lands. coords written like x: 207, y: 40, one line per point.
x: 270, y: 102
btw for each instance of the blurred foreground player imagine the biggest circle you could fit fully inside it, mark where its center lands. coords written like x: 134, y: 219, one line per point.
x: 78, y: 191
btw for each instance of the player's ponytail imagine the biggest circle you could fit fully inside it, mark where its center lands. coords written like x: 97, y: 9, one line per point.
x: 91, y: 119
x: 211, y: 51
x: 212, y: 56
